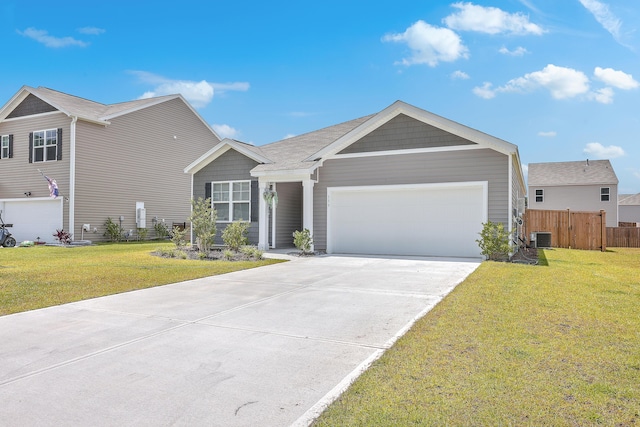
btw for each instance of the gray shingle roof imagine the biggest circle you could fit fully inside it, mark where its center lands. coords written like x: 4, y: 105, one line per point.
x: 290, y: 153
x: 589, y: 172
x: 90, y: 110
x: 629, y: 199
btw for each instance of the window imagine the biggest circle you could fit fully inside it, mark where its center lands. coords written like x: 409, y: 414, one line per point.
x: 231, y: 200
x: 604, y: 194
x: 6, y: 146
x: 539, y: 196
x: 46, y: 144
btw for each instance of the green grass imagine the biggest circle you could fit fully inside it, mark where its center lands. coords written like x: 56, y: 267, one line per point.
x: 515, y: 345
x: 42, y: 276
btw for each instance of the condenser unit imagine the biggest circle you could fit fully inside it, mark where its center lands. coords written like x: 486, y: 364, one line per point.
x: 541, y: 239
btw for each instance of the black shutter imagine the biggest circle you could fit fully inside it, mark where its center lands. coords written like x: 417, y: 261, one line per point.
x: 30, y: 147
x: 59, y: 144
x: 10, y: 146
x: 255, y: 201
x: 207, y: 190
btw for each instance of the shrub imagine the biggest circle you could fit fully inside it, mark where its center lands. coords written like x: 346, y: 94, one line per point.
x: 229, y: 255
x: 494, y: 241
x: 235, y: 235
x: 62, y: 237
x: 303, y: 240
x: 142, y: 233
x: 177, y: 237
x: 114, y: 232
x: 203, y: 222
x: 252, y: 252
x: 161, y: 229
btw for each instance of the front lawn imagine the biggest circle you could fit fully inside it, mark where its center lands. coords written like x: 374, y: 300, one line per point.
x: 40, y: 276
x: 515, y: 345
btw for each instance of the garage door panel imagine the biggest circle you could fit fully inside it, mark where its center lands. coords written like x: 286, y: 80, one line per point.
x: 423, y: 220
x: 33, y: 219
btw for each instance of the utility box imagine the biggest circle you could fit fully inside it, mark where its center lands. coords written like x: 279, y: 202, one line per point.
x: 141, y: 215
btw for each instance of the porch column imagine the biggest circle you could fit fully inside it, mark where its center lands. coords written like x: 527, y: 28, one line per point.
x: 263, y: 217
x: 307, y: 205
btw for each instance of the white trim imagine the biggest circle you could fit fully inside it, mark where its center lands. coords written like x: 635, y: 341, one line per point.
x: 307, y: 206
x: 408, y: 151
x: 72, y: 175
x: 231, y: 202
x: 466, y: 184
x: 263, y: 214
x: 274, y: 209
x: 48, y: 113
x: 510, y: 204
x: 286, y: 175
x: 30, y: 199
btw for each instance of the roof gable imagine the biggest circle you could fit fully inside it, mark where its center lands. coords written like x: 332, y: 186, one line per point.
x: 250, y: 151
x: 589, y: 172
x: 29, y: 106
x: 629, y: 200
x: 404, y: 133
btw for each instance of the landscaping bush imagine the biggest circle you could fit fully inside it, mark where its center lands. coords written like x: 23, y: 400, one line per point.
x: 114, y: 232
x: 235, y: 235
x: 494, y: 241
x: 303, y: 240
x: 252, y: 252
x: 177, y: 237
x: 161, y: 229
x: 203, y: 221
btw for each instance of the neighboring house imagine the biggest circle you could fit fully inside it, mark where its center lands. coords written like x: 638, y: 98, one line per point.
x: 629, y: 208
x: 400, y: 182
x: 122, y: 160
x: 590, y: 185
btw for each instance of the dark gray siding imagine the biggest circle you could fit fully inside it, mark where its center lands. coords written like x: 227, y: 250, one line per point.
x: 403, y: 132
x: 30, y: 106
x: 288, y: 212
x: 230, y: 166
x: 423, y: 168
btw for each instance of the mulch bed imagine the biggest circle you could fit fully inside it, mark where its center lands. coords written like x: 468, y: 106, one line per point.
x: 526, y: 256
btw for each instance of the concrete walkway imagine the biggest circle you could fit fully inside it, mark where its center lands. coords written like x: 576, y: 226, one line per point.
x: 269, y: 346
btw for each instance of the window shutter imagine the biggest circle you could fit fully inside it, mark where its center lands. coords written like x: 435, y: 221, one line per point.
x: 30, y: 147
x: 255, y: 201
x: 207, y: 190
x: 59, y: 144
x: 10, y: 146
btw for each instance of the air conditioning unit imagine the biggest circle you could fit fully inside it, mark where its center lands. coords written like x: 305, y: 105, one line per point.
x: 541, y: 239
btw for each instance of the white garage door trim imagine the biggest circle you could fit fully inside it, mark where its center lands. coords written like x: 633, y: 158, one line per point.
x: 33, y: 217
x: 332, y: 227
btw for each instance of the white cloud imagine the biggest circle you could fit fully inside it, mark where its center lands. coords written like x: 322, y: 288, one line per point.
x: 603, y: 96
x: 617, y: 79
x: 225, y: 131
x: 601, y: 152
x: 199, y: 94
x: 490, y: 20
x: 550, y: 134
x: 485, y: 91
x: 42, y: 36
x: 289, y: 135
x: 605, y: 17
x: 430, y: 45
x: 91, y: 31
x: 519, y: 51
x: 561, y: 82
x: 460, y: 75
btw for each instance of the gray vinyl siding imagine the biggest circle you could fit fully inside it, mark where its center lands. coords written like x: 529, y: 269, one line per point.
x: 230, y: 166
x: 577, y: 198
x: 629, y: 213
x: 137, y: 159
x: 403, y: 132
x: 440, y: 167
x: 18, y: 176
x: 288, y: 212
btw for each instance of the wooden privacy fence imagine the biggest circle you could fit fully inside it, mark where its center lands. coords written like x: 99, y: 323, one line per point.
x: 623, y: 237
x: 575, y: 230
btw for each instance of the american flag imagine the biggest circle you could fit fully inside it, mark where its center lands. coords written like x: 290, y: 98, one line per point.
x: 53, y: 187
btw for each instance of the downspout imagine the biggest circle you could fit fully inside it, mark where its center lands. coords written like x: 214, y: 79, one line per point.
x: 72, y: 176
x: 510, y: 215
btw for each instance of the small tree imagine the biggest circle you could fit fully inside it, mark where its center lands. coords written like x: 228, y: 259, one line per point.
x: 303, y: 240
x: 203, y: 222
x: 494, y: 241
x: 235, y: 235
x: 113, y: 230
x: 177, y: 237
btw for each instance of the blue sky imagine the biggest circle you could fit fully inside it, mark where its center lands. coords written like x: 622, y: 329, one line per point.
x: 558, y: 78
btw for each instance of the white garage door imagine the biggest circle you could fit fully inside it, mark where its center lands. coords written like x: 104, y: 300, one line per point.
x: 33, y: 218
x: 427, y: 219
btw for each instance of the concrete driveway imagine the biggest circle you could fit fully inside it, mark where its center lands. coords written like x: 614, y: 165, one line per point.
x: 269, y: 346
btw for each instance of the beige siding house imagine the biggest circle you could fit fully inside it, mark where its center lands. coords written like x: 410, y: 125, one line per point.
x: 122, y: 160
x: 590, y: 185
x: 399, y: 182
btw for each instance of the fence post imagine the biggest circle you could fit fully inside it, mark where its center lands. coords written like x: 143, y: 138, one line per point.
x: 603, y: 229
x: 569, y: 235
